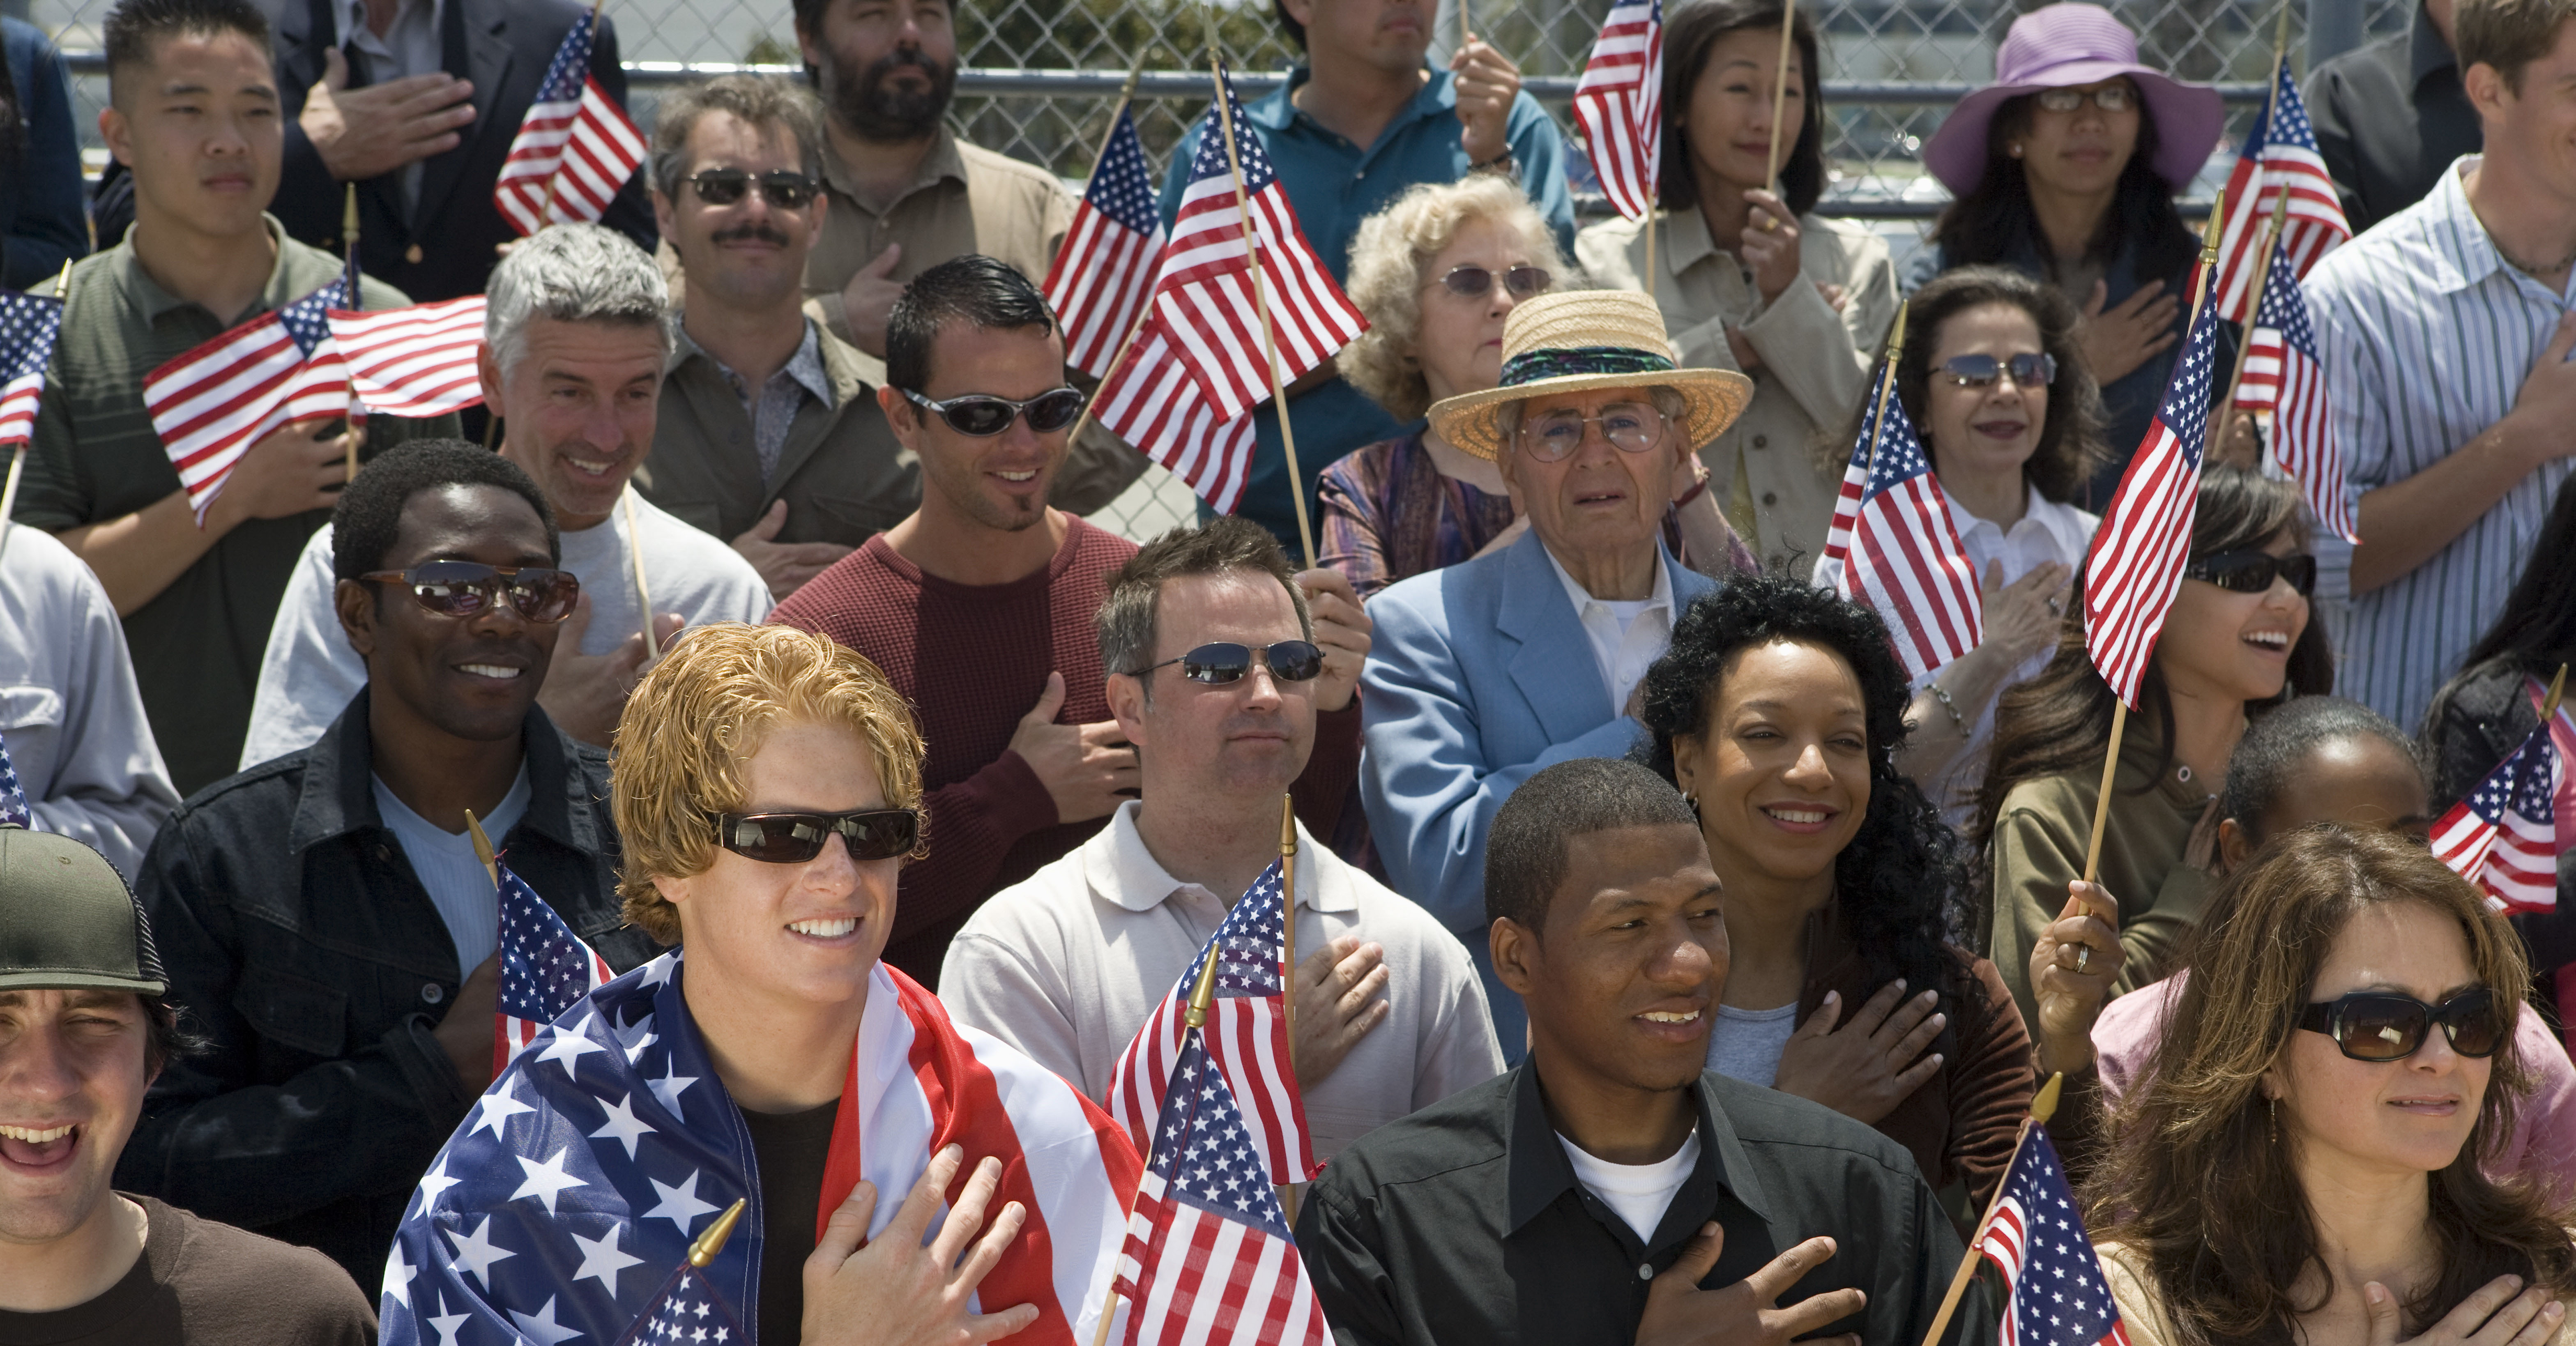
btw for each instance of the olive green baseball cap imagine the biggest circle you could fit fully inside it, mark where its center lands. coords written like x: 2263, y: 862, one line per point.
x: 68, y: 922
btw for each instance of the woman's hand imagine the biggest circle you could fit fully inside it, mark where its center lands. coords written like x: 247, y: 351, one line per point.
x: 2072, y: 968
x: 1869, y: 1067
x: 2119, y: 340
x: 2492, y: 1316
x: 2239, y: 443
x: 2023, y: 618
x: 1769, y: 248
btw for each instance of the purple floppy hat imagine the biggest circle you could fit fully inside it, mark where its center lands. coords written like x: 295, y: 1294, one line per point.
x: 2069, y: 44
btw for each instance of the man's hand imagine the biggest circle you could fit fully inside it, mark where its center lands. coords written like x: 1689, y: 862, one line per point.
x: 585, y: 693
x: 2546, y: 402
x: 466, y: 1033
x: 2119, y: 340
x: 1869, y: 1067
x: 2070, y: 1000
x: 1487, y: 83
x: 1770, y: 245
x: 1341, y: 995
x: 784, y: 566
x: 367, y: 133
x: 1088, y: 769
x: 898, y: 1292
x: 869, y: 297
x: 1679, y: 1313
x: 294, y: 468
x: 1341, y: 632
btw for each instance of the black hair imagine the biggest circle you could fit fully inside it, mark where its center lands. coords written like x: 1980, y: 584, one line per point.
x: 1690, y: 30
x: 2279, y: 743
x: 13, y: 119
x: 992, y: 295
x: 1994, y: 220
x: 1525, y: 847
x: 134, y: 27
x: 1902, y: 886
x: 369, y: 515
x: 2536, y: 632
x: 1296, y: 31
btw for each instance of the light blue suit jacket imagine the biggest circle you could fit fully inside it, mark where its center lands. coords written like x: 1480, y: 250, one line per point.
x: 1479, y: 676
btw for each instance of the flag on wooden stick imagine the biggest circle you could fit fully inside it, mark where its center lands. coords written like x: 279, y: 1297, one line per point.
x: 414, y: 361
x: 2285, y: 376
x: 575, y: 148
x: 1902, y: 553
x: 213, y: 403
x: 1619, y: 104
x: 2504, y: 836
x: 2280, y: 155
x: 28, y: 326
x: 1104, y: 273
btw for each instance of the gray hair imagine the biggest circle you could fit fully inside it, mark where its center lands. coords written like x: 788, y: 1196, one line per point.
x: 771, y: 105
x: 1669, y: 403
x: 573, y: 273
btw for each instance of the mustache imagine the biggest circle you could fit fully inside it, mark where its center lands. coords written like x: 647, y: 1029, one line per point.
x: 757, y: 231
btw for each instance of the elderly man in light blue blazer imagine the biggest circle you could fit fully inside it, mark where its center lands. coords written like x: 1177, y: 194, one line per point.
x: 1486, y: 672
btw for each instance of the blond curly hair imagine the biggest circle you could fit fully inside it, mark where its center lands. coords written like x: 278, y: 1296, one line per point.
x: 698, y: 717
x: 1388, y: 258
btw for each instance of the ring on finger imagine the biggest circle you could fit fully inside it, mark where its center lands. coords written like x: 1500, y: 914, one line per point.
x: 2083, y: 955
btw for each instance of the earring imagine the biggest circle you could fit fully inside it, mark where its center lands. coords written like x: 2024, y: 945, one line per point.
x: 2013, y: 148
x: 2275, y: 1125
x: 1693, y: 801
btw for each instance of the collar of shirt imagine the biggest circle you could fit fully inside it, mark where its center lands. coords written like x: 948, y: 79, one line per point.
x: 1540, y: 1173
x: 413, y: 19
x: 1278, y: 112
x: 804, y: 368
x: 146, y: 296
x: 2047, y: 531
x: 2462, y: 255
x: 942, y: 164
x: 338, y: 794
x: 2427, y: 54
x: 1586, y: 606
x: 1121, y: 869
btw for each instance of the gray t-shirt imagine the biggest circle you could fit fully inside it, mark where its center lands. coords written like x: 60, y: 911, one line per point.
x: 446, y: 865
x: 1746, y: 1044
x: 309, y: 672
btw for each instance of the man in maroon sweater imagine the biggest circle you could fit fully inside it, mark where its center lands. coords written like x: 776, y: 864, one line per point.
x: 979, y: 608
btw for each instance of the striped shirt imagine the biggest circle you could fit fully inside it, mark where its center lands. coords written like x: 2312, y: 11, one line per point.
x: 2427, y: 334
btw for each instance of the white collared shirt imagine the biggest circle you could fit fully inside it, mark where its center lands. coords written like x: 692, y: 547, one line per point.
x: 1628, y: 635
x: 2047, y: 532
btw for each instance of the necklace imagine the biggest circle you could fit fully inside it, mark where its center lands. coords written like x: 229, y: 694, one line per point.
x: 2525, y: 267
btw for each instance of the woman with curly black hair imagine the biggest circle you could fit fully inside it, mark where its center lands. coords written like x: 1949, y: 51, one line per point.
x: 1778, y: 710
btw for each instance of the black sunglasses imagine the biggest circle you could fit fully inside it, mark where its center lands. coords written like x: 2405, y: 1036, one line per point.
x: 984, y: 415
x: 794, y: 838
x: 2386, y: 1026
x: 1225, y: 662
x: 785, y: 190
x: 2030, y: 369
x: 464, y: 588
x: 2252, y: 572
x: 1475, y: 282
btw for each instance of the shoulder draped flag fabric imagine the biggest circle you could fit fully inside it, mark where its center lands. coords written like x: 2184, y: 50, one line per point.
x: 212, y: 403
x: 1247, y: 1036
x: 545, y: 969
x: 1104, y: 272
x: 1209, y: 1259
x: 2136, y: 561
x: 414, y: 361
x: 2285, y: 376
x: 1901, y: 551
x: 575, y: 148
x: 1619, y: 104
x: 2056, y: 1294
x: 13, y: 792
x: 28, y: 325
x: 2504, y: 836
x: 2280, y: 155
x: 589, y: 1165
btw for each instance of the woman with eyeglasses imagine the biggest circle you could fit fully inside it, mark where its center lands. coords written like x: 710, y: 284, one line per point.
x: 1748, y: 277
x: 1994, y: 381
x: 2236, y: 641
x: 2301, y: 1160
x: 1436, y: 273
x: 2065, y: 169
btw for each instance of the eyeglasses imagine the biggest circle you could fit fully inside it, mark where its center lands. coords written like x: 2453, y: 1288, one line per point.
x: 1475, y: 282
x: 464, y: 588
x: 2030, y: 370
x: 984, y: 415
x: 1225, y: 662
x: 794, y: 838
x: 2109, y: 98
x: 1553, y: 436
x: 2385, y: 1026
x: 785, y: 190
x: 2252, y: 572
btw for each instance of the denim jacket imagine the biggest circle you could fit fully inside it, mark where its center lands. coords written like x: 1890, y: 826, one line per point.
x: 301, y: 945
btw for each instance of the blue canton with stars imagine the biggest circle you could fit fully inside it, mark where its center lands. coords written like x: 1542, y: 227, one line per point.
x: 688, y: 1313
x: 1202, y: 1150
x: 1123, y: 189
x: 545, y: 969
x: 1247, y: 942
x: 28, y: 325
x: 1899, y: 456
x: 2059, y: 1295
x: 2523, y: 783
x: 308, y: 319
x: 2288, y: 120
x: 570, y: 69
x: 13, y: 796
x: 2186, y: 405
x: 1210, y: 163
x: 2285, y: 309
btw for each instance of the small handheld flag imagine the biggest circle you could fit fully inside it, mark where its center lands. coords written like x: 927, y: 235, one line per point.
x: 1619, y: 104
x: 2283, y: 375
x: 213, y: 403
x: 546, y: 969
x: 1104, y: 273
x: 28, y: 326
x: 414, y: 361
x: 575, y: 148
x: 687, y: 1308
x: 2504, y: 836
x: 2055, y: 1293
x: 2280, y: 156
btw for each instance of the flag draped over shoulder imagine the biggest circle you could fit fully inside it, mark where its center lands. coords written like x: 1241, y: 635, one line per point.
x: 2284, y: 376
x: 1619, y: 104
x: 414, y: 361
x: 28, y: 325
x: 1104, y: 273
x: 2504, y: 836
x: 213, y: 403
x: 13, y: 794
x: 575, y: 148
x: 573, y: 1189
x: 545, y: 969
x: 2056, y: 1295
x: 1899, y: 550
x: 2280, y: 155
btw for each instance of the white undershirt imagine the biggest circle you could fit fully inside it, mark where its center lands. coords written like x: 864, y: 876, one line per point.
x: 1639, y: 1192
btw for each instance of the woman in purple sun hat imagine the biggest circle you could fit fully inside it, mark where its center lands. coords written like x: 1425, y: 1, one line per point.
x: 2065, y: 168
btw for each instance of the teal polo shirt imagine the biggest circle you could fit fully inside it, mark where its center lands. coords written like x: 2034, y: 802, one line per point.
x: 1334, y: 185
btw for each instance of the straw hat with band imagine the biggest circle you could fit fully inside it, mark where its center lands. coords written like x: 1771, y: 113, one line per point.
x: 2062, y: 46
x: 1578, y: 340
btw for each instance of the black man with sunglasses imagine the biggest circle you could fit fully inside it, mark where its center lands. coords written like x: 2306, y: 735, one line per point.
x: 324, y: 917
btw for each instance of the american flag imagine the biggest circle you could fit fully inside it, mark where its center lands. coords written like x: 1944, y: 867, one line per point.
x: 28, y: 325
x: 687, y: 1312
x: 1901, y: 553
x: 2284, y: 376
x: 1104, y: 273
x: 1619, y: 103
x: 2562, y: 731
x: 545, y: 970
x: 415, y: 361
x: 2136, y: 561
x: 1247, y: 1030
x: 2056, y: 1295
x: 2504, y: 836
x: 611, y: 1143
x: 1209, y: 1258
x: 1196, y: 370
x: 13, y: 794
x: 574, y: 149
x: 211, y: 404
x: 2280, y: 150
x: 1838, y: 533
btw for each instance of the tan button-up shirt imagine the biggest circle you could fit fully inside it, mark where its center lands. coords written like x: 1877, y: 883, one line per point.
x: 963, y: 199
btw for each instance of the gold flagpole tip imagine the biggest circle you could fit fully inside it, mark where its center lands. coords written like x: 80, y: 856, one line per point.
x: 2044, y: 1105
x: 1896, y: 332
x: 713, y: 1241
x: 483, y: 848
x: 2213, y: 227
x: 1203, y: 993
x: 2557, y: 687
x: 1287, y: 825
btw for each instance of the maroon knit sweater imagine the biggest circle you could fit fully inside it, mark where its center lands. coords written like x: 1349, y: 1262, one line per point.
x: 972, y: 659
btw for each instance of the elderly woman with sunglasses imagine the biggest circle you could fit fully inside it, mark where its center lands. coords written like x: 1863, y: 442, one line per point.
x: 2301, y: 1160
x: 1437, y: 272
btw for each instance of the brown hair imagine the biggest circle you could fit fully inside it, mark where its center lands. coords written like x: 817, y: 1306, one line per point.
x: 2507, y: 34
x: 1227, y: 544
x: 2193, y: 1181
x: 771, y: 105
x: 702, y: 712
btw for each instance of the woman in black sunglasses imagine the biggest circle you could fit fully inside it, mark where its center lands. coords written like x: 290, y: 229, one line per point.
x: 2301, y: 1160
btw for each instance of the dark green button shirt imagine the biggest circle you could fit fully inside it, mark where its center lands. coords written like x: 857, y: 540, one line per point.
x: 95, y: 457
x: 1464, y: 1223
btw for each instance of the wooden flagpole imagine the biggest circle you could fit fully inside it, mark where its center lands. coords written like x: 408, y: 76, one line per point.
x: 1126, y: 99
x: 1887, y: 379
x: 1193, y: 1019
x: 483, y: 849
x: 18, y: 453
x: 2042, y: 1107
x: 1780, y: 92
x: 643, y: 596
x: 349, y: 249
x: 2271, y: 237
x: 1288, y: 954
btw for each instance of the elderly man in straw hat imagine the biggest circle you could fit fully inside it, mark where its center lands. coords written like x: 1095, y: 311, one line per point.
x: 1487, y: 672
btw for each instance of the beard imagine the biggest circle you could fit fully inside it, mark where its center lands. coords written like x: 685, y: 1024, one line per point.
x: 872, y: 110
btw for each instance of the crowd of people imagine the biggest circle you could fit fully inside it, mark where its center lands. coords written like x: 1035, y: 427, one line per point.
x: 1670, y: 965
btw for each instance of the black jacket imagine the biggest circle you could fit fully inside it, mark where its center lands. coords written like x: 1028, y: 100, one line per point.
x: 299, y: 943
x: 2479, y: 718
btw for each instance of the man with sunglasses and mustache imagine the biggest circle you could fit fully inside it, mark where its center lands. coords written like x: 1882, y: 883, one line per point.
x: 324, y: 916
